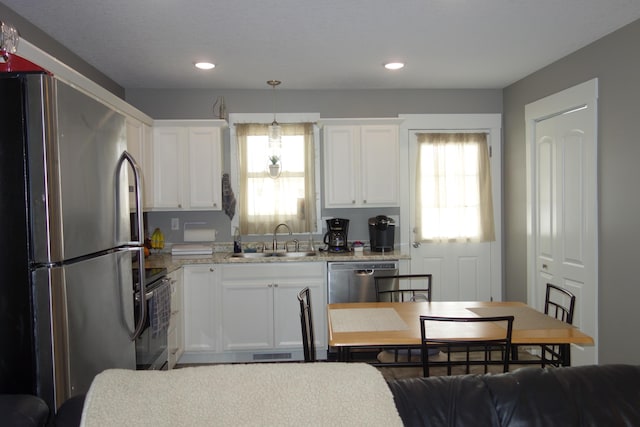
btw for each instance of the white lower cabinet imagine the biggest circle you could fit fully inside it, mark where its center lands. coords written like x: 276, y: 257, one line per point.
x: 260, y: 309
x: 250, y: 312
x: 175, y: 335
x: 201, y: 289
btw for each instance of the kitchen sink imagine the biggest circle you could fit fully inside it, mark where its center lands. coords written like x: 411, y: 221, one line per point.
x: 272, y: 254
x: 294, y: 254
x: 252, y: 255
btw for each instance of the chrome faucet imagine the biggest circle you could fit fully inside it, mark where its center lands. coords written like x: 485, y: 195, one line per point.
x: 275, y: 239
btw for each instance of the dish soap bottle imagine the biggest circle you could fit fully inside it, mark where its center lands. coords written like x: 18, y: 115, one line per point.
x: 237, y: 243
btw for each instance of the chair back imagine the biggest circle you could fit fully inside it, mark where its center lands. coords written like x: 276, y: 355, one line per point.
x: 481, y: 339
x: 306, y: 323
x: 397, y: 288
x: 559, y: 303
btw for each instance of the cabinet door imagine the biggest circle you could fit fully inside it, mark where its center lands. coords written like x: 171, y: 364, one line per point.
x: 288, y: 331
x: 341, y: 168
x: 247, y: 315
x: 200, y: 308
x: 379, y: 163
x: 135, y: 140
x: 168, y: 166
x: 205, y: 168
x: 139, y: 145
x: 147, y: 165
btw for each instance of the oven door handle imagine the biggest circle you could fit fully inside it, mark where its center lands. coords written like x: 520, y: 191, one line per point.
x: 147, y: 296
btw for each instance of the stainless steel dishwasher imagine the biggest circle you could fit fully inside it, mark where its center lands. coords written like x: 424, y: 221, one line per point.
x: 354, y: 281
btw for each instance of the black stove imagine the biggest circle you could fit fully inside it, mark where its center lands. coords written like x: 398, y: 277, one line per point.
x: 150, y: 275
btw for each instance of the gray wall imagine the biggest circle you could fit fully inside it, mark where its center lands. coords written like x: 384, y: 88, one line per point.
x: 614, y: 60
x: 38, y: 38
x: 198, y: 104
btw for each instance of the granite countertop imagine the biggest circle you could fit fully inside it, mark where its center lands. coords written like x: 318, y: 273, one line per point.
x: 173, y: 262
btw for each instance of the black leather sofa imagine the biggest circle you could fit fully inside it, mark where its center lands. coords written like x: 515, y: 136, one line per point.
x: 604, y: 395
x: 23, y: 410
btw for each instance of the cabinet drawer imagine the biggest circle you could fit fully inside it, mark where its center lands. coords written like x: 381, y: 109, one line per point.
x: 273, y: 270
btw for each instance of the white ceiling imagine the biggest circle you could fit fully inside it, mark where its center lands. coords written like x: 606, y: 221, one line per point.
x: 324, y: 44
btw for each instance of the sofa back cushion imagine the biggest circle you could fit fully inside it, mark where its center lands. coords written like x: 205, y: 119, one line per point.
x: 585, y: 395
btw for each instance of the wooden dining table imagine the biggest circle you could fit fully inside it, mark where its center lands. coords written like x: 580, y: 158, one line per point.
x: 382, y: 324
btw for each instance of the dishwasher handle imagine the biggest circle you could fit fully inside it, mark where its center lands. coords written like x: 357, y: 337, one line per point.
x: 364, y: 272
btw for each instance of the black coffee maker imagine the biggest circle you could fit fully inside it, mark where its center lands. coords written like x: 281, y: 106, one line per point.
x: 381, y: 233
x: 336, y: 235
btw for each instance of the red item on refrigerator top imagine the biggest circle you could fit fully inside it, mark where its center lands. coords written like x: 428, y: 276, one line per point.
x: 15, y: 63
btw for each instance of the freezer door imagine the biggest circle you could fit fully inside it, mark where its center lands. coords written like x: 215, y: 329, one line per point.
x: 79, y: 199
x: 91, y: 322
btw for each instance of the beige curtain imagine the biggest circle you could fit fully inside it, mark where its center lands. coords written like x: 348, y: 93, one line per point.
x: 265, y: 202
x: 453, y: 189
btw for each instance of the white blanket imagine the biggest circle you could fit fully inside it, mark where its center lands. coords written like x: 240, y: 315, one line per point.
x: 271, y: 394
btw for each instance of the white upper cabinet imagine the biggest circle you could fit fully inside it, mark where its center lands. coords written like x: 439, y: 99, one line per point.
x: 205, y: 168
x: 361, y: 163
x: 188, y: 164
x: 139, y: 137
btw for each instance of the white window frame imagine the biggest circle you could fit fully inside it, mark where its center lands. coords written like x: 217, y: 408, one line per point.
x: 267, y: 118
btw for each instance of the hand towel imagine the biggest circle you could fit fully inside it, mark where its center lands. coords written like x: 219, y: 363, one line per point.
x: 228, y: 198
x: 160, y: 310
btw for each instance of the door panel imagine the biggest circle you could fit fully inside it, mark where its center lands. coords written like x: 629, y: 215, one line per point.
x: 461, y: 271
x: 91, y: 321
x: 79, y: 155
x: 562, y: 199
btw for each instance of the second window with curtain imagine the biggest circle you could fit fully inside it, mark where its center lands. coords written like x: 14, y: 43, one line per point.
x: 453, y: 192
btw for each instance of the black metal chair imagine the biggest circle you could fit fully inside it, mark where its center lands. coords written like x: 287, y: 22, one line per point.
x: 389, y: 289
x: 558, y: 303
x: 306, y: 322
x: 487, y: 349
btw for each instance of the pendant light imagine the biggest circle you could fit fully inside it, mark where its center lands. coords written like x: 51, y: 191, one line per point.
x: 275, y: 132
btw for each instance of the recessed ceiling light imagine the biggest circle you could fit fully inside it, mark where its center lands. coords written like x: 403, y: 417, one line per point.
x: 205, y: 65
x: 393, y: 65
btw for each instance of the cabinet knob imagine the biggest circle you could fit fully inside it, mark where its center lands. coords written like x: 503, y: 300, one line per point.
x: 275, y: 285
x: 211, y: 269
x: 353, y: 202
x: 364, y: 201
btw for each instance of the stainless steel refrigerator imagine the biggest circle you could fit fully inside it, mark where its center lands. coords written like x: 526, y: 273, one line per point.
x: 66, y: 297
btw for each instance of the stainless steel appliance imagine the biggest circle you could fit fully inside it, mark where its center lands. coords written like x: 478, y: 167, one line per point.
x: 336, y: 236
x: 381, y: 233
x: 66, y: 299
x: 152, y: 344
x: 354, y: 281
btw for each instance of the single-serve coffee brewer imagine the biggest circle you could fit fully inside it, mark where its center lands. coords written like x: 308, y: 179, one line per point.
x: 381, y: 233
x: 336, y: 236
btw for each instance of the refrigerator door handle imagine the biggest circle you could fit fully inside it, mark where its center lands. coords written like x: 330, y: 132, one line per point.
x: 137, y: 173
x: 126, y: 157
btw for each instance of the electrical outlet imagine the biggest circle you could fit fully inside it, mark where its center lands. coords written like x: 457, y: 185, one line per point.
x: 175, y: 223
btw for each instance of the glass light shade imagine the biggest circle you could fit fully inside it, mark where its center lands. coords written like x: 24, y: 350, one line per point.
x: 275, y: 135
x: 8, y: 38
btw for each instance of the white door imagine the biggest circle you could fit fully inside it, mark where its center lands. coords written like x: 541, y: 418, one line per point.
x: 461, y: 271
x: 562, y: 204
